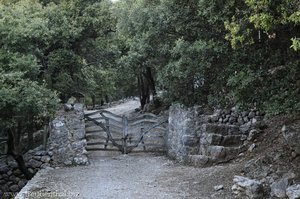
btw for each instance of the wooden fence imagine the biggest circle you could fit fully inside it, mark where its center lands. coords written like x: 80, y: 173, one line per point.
x: 108, y: 131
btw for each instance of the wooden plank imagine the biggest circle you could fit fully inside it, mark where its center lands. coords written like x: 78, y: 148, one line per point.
x: 92, y: 113
x: 145, y: 115
x: 116, y: 129
x: 99, y: 143
x: 149, y: 151
x: 143, y: 121
x: 116, y: 125
x: 94, y: 131
x: 108, y: 114
x: 90, y: 124
x: 98, y: 118
x: 101, y: 149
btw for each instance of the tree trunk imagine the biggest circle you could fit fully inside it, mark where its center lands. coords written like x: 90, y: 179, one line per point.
x: 143, y: 91
x: 93, y: 100
x: 150, y: 81
x: 15, y: 150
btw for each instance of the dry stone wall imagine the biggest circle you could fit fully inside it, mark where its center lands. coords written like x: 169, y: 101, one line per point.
x: 201, y: 139
x: 66, y: 147
x: 67, y: 141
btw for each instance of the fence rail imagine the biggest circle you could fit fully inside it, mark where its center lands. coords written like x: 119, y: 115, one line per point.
x: 143, y: 133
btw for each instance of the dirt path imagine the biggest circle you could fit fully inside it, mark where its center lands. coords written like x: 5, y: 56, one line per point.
x: 133, y: 176
x: 127, y: 108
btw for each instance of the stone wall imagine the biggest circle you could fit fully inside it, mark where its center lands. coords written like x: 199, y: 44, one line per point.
x: 66, y: 146
x: 201, y: 139
x: 12, y: 179
x: 67, y: 141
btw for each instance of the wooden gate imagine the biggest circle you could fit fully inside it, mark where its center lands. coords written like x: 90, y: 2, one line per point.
x: 111, y: 132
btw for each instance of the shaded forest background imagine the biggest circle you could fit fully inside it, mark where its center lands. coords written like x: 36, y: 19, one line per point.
x: 210, y: 53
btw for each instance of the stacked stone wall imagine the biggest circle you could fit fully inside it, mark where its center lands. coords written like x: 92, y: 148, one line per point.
x: 202, y: 139
x: 66, y: 147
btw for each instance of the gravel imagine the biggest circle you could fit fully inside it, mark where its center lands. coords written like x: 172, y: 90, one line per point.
x: 133, y: 176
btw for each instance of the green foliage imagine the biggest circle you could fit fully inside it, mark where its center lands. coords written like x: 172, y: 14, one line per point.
x: 24, y: 101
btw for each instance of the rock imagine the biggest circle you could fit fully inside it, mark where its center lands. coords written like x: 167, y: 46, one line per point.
x: 252, y: 147
x: 12, y: 164
x: 9, y: 173
x: 189, y: 140
x: 81, y: 160
x: 245, y: 128
x: 17, y: 172
x: 198, y: 160
x: 12, y: 178
x: 240, y: 120
x: 292, y: 138
x: 246, y: 119
x: 245, y: 113
x: 68, y: 162
x: 219, y: 187
x: 68, y: 107
x: 40, y: 153
x: 45, y: 159
x: 34, y: 163
x: 45, y: 166
x: 232, y: 120
x: 279, y: 187
x: 214, y: 118
x: 254, y: 120
x: 22, y: 183
x: 4, y: 168
x: 293, y: 192
x: 247, y: 188
x: 14, y: 188
x: 251, y: 114
x: 50, y: 153
x: 252, y: 134
x: 31, y: 170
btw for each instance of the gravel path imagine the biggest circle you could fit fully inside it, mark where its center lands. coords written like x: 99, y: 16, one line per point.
x: 133, y: 176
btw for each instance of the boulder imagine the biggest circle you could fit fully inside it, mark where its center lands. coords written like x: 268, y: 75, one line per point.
x: 247, y: 188
x: 279, y: 187
x: 293, y: 192
x: 292, y: 138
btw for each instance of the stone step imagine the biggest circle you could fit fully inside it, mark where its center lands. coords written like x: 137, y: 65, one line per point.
x: 222, y: 140
x: 199, y: 160
x: 221, y: 129
x: 220, y: 153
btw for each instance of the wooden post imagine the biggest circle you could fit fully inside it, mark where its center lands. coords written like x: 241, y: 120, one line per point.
x: 107, y: 127
x: 125, y: 133
x: 142, y: 131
